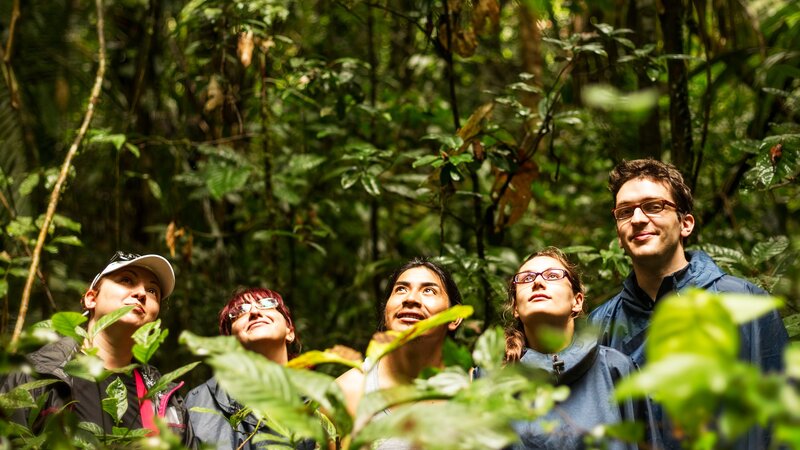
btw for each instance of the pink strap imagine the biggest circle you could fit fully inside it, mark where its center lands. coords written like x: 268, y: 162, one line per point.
x: 146, y: 409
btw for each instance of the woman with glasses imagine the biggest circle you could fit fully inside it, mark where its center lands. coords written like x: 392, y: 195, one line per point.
x: 546, y: 298
x: 261, y: 322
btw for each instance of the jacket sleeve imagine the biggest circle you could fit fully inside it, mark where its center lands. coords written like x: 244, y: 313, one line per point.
x: 208, y: 427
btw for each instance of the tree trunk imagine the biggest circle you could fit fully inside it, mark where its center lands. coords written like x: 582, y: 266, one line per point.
x: 680, y: 117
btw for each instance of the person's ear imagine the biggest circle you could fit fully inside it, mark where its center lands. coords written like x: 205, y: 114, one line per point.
x: 577, y: 304
x: 89, y: 300
x: 687, y: 225
x: 453, y: 325
x: 289, y: 335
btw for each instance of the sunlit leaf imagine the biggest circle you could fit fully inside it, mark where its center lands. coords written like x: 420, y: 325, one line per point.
x: 490, y: 349
x: 168, y: 378
x: 117, y: 401
x: 107, y: 320
x: 393, y: 340
x: 66, y: 322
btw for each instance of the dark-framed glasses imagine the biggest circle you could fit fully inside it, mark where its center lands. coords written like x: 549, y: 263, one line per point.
x: 246, y: 308
x: 547, y: 275
x: 649, y: 208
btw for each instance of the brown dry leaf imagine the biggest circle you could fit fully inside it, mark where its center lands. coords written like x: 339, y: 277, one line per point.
x: 266, y: 44
x: 465, y: 42
x: 171, y: 238
x: 517, y: 195
x: 473, y: 125
x: 346, y: 353
x: 244, y: 50
x: 485, y: 11
x: 454, y: 6
x: 775, y: 153
x: 215, y: 96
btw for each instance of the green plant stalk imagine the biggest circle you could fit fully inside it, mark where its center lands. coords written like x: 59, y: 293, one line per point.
x: 62, y: 176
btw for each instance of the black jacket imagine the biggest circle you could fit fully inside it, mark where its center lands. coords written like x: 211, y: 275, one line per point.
x: 591, y: 372
x: 213, y: 428
x: 49, y: 362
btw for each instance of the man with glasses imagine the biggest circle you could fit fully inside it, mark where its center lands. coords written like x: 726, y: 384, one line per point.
x: 128, y: 280
x: 653, y: 215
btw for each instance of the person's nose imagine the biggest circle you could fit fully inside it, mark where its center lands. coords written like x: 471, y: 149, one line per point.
x: 639, y: 216
x: 412, y: 297
x: 139, y: 293
x: 538, y: 282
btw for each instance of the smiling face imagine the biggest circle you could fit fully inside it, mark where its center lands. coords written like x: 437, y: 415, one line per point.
x: 655, y: 240
x: 546, y: 302
x: 131, y: 285
x: 418, y: 293
x: 261, y: 327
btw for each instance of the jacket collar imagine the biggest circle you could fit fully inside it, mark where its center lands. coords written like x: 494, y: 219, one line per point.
x: 567, y: 365
x: 701, y: 272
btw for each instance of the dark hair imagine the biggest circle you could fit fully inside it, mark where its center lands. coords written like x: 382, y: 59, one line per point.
x: 241, y: 296
x: 515, y: 331
x: 450, y: 287
x: 656, y: 171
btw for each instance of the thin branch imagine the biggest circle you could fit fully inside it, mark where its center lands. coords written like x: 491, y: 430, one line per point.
x: 54, y: 196
x: 11, y: 27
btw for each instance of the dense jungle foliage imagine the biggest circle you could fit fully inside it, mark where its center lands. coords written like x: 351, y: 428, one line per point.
x: 312, y: 147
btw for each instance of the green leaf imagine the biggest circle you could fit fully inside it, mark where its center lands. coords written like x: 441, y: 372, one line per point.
x: 449, y: 141
x: 264, y: 386
x: 67, y: 240
x: 65, y: 324
x: 3, y: 287
x: 323, y: 390
x: 168, y: 378
x: 28, y: 184
x: 155, y: 189
x: 765, y: 250
x: 744, y: 308
x: 148, y: 338
x: 490, y: 349
x: 350, y: 178
x: 66, y: 222
x: 693, y: 321
x: 221, y: 180
x: 88, y: 367
x: 117, y: 401
x: 16, y: 398
x: 370, y: 184
x: 105, y: 321
x: 203, y: 346
x: 425, y: 160
x: 377, y: 349
x: 133, y: 149
x: 456, y: 355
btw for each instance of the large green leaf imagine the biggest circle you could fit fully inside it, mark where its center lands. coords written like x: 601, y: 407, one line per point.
x: 204, y: 346
x: 222, y: 179
x: 264, y: 386
x: 490, y: 349
x: 117, y: 401
x: 744, y: 308
x: 692, y: 322
x: 66, y: 323
x: 323, y: 390
x: 765, y: 250
x: 105, y: 321
x: 148, y: 338
x: 88, y: 367
x: 391, y: 340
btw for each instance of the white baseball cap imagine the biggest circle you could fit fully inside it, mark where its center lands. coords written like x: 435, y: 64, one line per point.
x: 160, y: 267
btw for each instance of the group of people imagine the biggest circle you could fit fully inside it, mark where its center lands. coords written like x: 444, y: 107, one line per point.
x: 653, y: 218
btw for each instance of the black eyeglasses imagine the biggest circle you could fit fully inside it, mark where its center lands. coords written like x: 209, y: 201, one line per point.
x: 123, y: 256
x: 245, y: 308
x: 649, y: 208
x: 547, y: 275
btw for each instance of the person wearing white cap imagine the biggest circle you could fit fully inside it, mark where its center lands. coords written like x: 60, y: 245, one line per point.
x: 141, y: 281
